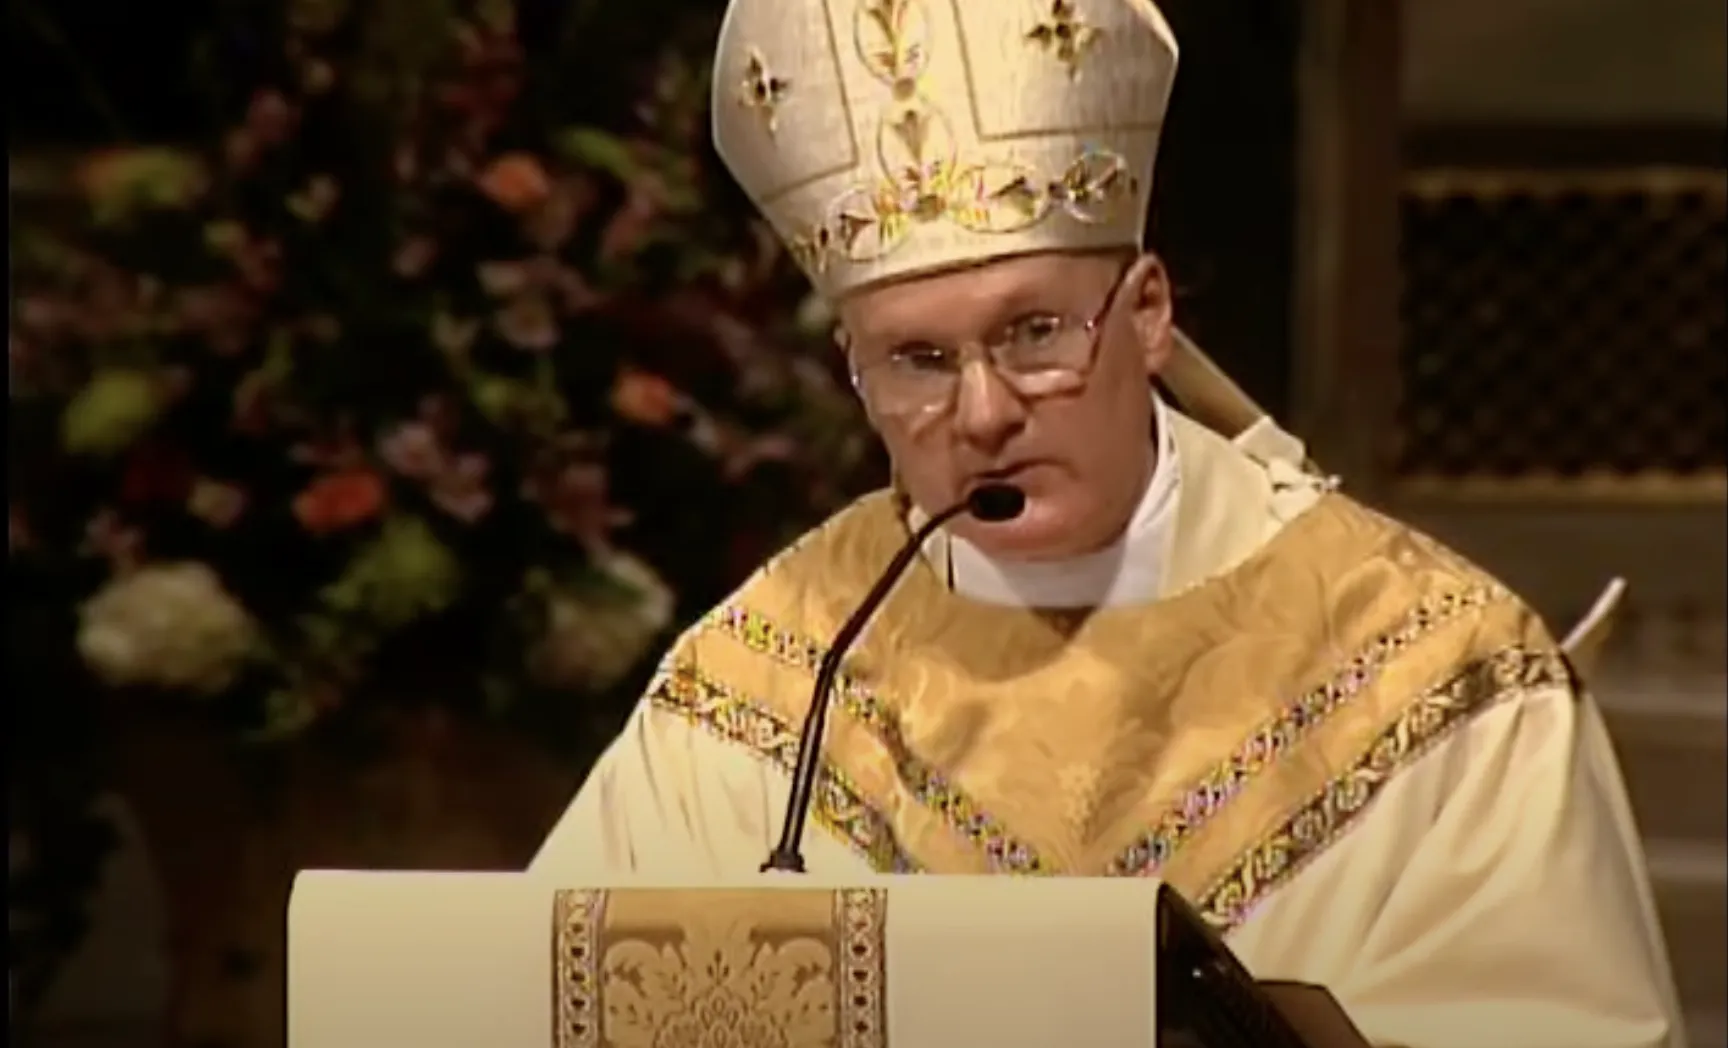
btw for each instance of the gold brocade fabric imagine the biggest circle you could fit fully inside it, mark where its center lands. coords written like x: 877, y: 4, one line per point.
x: 1219, y: 738
x: 664, y: 968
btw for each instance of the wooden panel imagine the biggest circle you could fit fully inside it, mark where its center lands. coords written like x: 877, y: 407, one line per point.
x: 1223, y: 207
x: 1346, y: 272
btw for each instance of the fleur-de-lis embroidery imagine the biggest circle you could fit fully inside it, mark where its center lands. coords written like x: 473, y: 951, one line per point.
x: 811, y: 247
x: 897, y: 58
x: 762, y: 91
x: 1065, y: 35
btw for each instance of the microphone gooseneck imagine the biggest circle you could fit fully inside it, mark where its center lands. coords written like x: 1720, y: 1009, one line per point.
x: 992, y: 503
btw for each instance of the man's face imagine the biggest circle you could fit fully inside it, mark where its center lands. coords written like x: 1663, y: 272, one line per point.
x: 1080, y: 449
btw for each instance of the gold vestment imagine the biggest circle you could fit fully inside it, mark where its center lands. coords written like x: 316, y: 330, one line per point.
x: 1359, y: 755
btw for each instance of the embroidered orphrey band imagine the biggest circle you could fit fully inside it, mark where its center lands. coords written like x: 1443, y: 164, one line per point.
x: 576, y: 969
x: 740, y: 719
x: 1264, y: 865
x: 1305, y: 834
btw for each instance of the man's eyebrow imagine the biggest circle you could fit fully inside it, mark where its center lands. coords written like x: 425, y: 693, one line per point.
x: 1011, y: 305
x: 1020, y: 301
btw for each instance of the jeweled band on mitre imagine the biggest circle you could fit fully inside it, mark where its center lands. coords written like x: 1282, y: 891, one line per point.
x: 887, y: 138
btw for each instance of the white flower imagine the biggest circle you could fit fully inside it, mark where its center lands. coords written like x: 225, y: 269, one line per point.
x: 166, y: 625
x: 593, y: 640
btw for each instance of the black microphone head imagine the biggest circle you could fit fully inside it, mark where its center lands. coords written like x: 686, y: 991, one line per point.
x: 996, y: 503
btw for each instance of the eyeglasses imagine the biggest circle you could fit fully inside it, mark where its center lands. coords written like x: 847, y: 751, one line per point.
x: 1037, y: 355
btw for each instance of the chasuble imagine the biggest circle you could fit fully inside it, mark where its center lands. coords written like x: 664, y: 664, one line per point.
x: 1364, y: 760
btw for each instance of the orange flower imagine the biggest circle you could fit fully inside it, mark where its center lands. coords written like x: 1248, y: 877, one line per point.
x: 644, y: 398
x: 515, y: 182
x: 341, y: 500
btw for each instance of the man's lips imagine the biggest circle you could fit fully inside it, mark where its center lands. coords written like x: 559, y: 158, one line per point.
x: 1005, y: 474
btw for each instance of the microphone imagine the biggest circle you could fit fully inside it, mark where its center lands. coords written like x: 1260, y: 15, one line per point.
x: 992, y: 503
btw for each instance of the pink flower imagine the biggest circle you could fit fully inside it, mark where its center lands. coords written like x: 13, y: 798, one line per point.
x: 413, y: 450
x: 111, y: 538
x: 575, y: 497
x: 455, y: 483
x: 460, y: 490
x: 528, y: 323
x: 44, y: 315
x: 630, y: 227
x: 271, y: 118
x: 415, y: 257
x: 405, y: 164
x: 551, y: 224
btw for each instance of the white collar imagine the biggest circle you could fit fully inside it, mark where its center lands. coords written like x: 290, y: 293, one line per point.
x: 1130, y: 570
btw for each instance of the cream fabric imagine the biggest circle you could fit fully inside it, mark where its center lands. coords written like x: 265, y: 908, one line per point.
x: 885, y: 138
x: 467, y: 960
x: 1129, y: 571
x: 1493, y: 896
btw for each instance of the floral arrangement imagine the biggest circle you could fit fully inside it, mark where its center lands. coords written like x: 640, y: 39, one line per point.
x: 446, y: 375
x: 414, y: 379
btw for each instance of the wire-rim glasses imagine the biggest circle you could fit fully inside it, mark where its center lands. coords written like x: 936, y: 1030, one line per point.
x: 1039, y: 354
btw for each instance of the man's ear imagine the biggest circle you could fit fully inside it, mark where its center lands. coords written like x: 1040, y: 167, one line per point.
x: 1147, y: 290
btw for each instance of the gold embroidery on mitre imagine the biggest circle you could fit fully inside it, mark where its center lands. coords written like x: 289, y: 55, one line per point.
x: 922, y: 176
x: 720, y: 969
x: 1298, y: 840
x: 761, y: 91
x: 1065, y: 35
x: 811, y: 248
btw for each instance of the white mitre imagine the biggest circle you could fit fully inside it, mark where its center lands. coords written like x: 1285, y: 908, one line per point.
x: 888, y: 138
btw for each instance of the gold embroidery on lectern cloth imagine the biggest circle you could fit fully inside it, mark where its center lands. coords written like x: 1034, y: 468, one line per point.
x: 666, y: 968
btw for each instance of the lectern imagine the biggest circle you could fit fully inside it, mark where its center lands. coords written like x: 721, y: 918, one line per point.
x: 462, y: 960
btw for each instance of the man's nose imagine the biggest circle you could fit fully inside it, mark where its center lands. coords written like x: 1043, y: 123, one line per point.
x: 987, y: 411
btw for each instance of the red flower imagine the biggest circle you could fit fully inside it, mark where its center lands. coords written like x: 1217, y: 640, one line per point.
x: 515, y: 182
x: 338, y: 501
x: 645, y: 399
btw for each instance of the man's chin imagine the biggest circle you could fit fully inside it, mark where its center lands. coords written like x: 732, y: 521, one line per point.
x: 1036, y: 535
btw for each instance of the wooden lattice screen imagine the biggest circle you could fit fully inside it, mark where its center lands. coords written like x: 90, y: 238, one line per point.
x: 1563, y: 333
